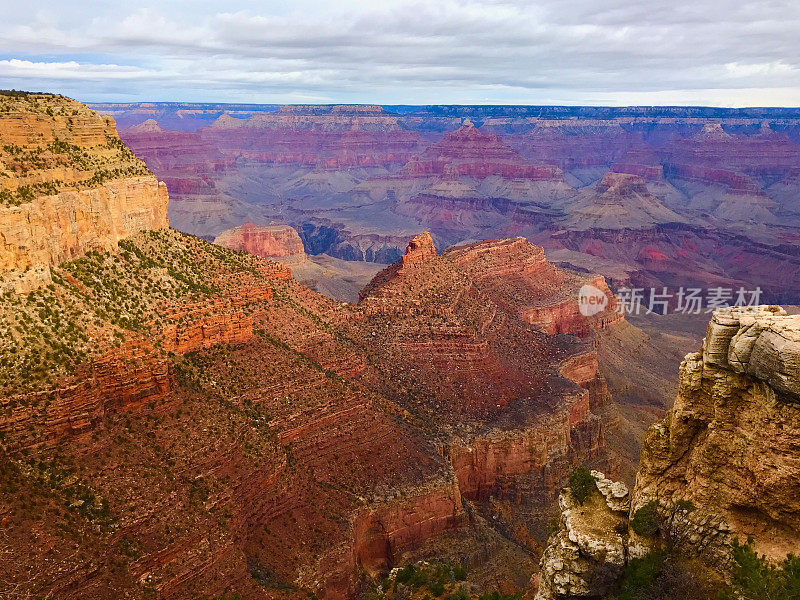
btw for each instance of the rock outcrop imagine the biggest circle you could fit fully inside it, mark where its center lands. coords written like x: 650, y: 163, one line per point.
x: 53, y: 229
x: 280, y: 242
x: 419, y: 249
x: 724, y: 465
x: 592, y: 545
x: 730, y: 443
x: 763, y: 344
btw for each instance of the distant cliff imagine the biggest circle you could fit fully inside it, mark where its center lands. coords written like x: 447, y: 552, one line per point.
x: 268, y: 241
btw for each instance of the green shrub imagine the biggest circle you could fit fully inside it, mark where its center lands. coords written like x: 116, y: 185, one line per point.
x: 646, y: 520
x: 581, y: 484
x: 754, y: 578
x: 640, y: 576
x: 436, y: 588
x: 405, y: 574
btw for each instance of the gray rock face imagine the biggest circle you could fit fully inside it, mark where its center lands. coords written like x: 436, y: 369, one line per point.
x: 615, y: 493
x: 762, y: 342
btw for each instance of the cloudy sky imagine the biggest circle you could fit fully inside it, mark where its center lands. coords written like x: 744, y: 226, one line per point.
x: 618, y: 52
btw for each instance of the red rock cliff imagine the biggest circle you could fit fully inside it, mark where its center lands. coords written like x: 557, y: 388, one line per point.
x: 268, y: 241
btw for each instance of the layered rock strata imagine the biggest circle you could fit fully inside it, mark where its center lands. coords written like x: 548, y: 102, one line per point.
x: 514, y: 409
x: 729, y: 444
x: 53, y: 229
x: 68, y: 186
x: 279, y: 242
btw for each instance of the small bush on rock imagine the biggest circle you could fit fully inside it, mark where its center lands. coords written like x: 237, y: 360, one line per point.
x: 754, y: 578
x: 646, y: 520
x: 581, y: 484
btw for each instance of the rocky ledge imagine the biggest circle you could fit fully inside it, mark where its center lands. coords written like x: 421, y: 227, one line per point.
x: 762, y: 343
x: 592, y: 544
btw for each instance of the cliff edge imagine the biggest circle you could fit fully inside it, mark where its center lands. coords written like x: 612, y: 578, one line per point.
x: 68, y: 186
x: 720, y: 471
x: 731, y: 444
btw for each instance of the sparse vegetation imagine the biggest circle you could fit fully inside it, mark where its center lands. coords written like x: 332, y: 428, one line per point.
x: 667, y: 576
x: 66, y: 147
x: 433, y: 579
x: 97, y: 302
x: 581, y: 484
x: 755, y: 578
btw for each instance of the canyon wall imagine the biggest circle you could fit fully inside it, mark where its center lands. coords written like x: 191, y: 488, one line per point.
x: 205, y: 425
x: 68, y: 186
x: 53, y: 229
x: 729, y: 445
x: 268, y: 241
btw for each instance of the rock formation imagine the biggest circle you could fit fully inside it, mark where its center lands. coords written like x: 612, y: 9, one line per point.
x: 728, y: 444
x: 721, y: 467
x: 280, y: 242
x: 419, y: 249
x: 205, y: 424
x: 468, y: 313
x: 470, y: 152
x: 333, y: 137
x: 592, y: 545
x: 618, y: 201
x: 55, y: 228
x: 68, y: 187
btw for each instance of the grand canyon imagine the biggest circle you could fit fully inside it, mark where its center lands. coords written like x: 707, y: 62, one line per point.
x: 650, y: 197
x: 339, y: 352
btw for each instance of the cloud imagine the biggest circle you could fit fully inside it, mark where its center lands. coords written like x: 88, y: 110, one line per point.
x: 26, y: 69
x: 565, y: 51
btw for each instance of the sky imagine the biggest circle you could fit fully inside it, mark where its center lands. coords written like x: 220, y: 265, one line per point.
x: 585, y: 52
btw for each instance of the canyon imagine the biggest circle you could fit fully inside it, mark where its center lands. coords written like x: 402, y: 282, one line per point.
x: 182, y: 417
x: 185, y: 419
x: 650, y: 197
x: 302, y: 428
